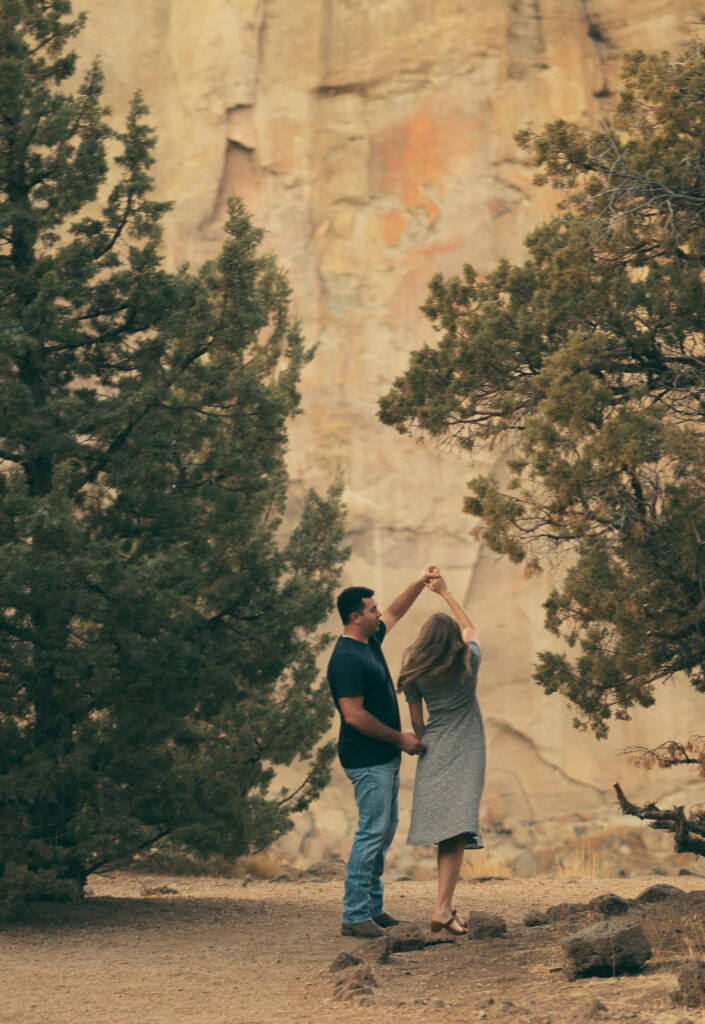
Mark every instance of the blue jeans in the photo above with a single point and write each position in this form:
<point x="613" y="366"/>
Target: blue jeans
<point x="377" y="797"/>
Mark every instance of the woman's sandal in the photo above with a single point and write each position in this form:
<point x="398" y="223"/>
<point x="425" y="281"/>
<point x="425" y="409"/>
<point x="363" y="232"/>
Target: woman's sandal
<point x="436" y="926"/>
<point x="458" y="918"/>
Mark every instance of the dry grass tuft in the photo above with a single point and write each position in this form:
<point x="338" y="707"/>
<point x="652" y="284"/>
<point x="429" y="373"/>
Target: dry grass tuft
<point x="694" y="937"/>
<point x="422" y="872"/>
<point x="482" y="862"/>
<point x="578" y="860"/>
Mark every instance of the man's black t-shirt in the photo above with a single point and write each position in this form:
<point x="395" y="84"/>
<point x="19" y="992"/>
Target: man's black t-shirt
<point x="356" y="669"/>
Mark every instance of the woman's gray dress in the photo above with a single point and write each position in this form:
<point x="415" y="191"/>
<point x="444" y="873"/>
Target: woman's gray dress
<point x="451" y="773"/>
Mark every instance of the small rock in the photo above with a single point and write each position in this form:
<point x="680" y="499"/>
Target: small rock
<point x="404" y="937"/>
<point x="160" y="890"/>
<point x="362" y="975"/>
<point x="605" y="950"/>
<point x="289" y="874"/>
<point x="687" y="871"/>
<point x="357" y="981"/>
<point x="400" y="938"/>
<point x="344" y="994"/>
<point x="596" y="1010"/>
<point x="344" y="960"/>
<point x="609" y="904"/>
<point x="658" y="871"/>
<point x="534" y="917"/>
<point x="658" y="893"/>
<point x="322" y="870"/>
<point x="366" y="1000"/>
<point x="691" y="985"/>
<point x="564" y="911"/>
<point x="485" y="926"/>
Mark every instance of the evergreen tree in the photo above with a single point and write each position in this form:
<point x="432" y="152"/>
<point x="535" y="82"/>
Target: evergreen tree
<point x="587" y="363"/>
<point x="157" y="629"/>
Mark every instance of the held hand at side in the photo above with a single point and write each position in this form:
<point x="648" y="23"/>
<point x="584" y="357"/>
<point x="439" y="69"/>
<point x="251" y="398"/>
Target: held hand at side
<point x="410" y="744"/>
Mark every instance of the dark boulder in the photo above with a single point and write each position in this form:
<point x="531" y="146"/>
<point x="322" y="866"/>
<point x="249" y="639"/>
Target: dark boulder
<point x="485" y="926"/>
<point x="605" y="950"/>
<point x="405" y="937"/>
<point x="691" y="985"/>
<point x="534" y="917"/>
<point x="660" y="892"/>
<point x="565" y="911"/>
<point x="609" y="904"/>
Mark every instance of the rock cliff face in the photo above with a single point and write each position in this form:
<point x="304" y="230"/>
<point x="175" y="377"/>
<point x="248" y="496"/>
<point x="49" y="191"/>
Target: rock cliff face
<point x="374" y="142"/>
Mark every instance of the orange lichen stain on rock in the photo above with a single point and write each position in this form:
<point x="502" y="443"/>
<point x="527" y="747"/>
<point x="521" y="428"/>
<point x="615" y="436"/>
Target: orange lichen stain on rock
<point x="417" y="153"/>
<point x="392" y="226"/>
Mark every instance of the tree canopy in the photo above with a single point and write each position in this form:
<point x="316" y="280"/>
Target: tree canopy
<point x="157" y="622"/>
<point x="586" y="364"/>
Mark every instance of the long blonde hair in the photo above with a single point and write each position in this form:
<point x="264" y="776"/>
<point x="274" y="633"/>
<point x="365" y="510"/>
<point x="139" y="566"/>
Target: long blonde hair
<point x="439" y="652"/>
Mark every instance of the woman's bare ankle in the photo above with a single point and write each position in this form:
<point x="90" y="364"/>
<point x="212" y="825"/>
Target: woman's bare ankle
<point x="441" y="912"/>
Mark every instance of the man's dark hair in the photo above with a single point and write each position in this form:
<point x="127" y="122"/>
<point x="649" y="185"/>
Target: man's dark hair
<point x="352" y="600"/>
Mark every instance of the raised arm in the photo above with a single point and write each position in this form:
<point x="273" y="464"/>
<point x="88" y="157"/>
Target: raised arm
<point x="439" y="586"/>
<point x="401" y="604"/>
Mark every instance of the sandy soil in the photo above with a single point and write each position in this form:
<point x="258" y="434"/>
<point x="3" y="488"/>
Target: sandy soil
<point x="218" y="952"/>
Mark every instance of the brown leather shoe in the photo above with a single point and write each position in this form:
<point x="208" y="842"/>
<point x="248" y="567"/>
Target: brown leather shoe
<point x="361" y="929"/>
<point x="385" y="920"/>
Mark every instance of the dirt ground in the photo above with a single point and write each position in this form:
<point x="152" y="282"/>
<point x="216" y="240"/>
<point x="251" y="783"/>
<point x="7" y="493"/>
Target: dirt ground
<point x="218" y="952"/>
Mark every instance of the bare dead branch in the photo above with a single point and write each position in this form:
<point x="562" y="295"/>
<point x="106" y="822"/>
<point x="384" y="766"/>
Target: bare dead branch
<point x="686" y="830"/>
<point x="669" y="753"/>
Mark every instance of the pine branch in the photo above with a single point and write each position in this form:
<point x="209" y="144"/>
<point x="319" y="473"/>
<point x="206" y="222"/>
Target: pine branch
<point x="111" y="862"/>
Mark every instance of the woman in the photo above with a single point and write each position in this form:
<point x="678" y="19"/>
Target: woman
<point x="440" y="668"/>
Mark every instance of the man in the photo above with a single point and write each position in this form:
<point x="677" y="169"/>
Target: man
<point x="370" y="745"/>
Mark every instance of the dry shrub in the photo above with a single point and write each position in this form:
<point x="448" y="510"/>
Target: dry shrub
<point x="260" y="865"/>
<point x="166" y="861"/>
<point x="674" y="933"/>
<point x="179" y="862"/>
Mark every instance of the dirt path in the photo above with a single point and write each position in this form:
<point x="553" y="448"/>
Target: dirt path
<point x="220" y="953"/>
